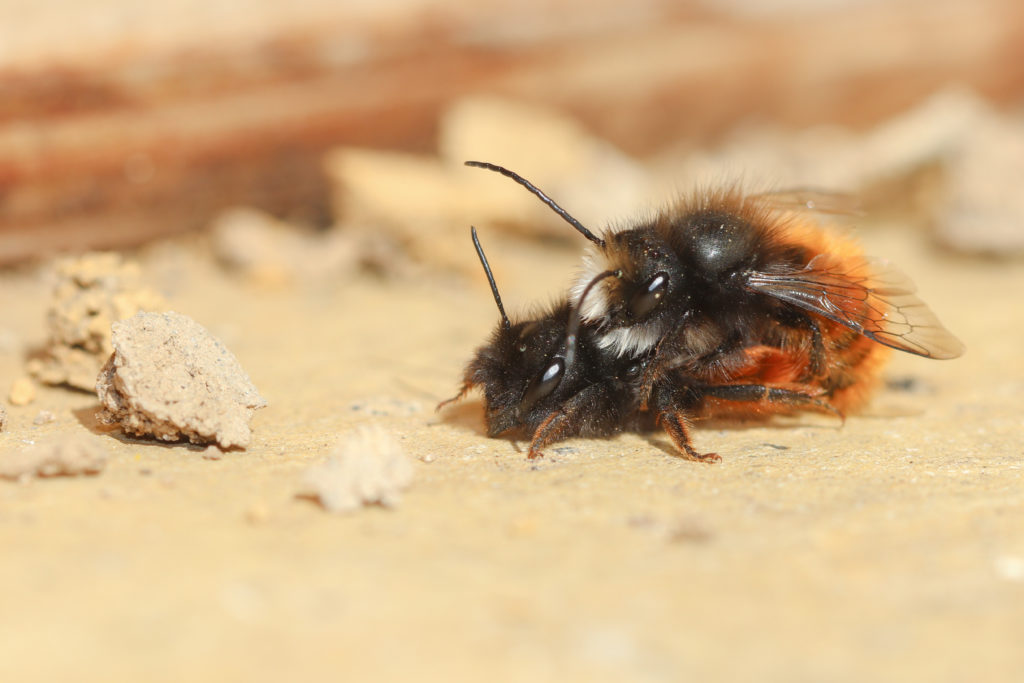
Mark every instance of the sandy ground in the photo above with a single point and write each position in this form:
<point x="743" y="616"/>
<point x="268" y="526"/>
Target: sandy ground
<point x="891" y="548"/>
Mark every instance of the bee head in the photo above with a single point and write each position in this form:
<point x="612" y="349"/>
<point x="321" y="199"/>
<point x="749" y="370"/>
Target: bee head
<point x="523" y="371"/>
<point x="647" y="272"/>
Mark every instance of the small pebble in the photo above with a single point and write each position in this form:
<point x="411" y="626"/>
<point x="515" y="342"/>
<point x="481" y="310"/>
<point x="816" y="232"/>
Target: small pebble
<point x="23" y="392"/>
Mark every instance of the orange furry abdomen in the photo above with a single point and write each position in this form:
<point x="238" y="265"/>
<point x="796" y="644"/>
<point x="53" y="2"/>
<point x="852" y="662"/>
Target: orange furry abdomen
<point x="852" y="362"/>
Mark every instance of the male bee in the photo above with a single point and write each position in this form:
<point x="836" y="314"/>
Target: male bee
<point x="740" y="298"/>
<point x="548" y="377"/>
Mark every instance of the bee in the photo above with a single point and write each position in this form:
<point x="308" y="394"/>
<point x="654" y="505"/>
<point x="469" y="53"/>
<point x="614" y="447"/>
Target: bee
<point x="548" y="376"/>
<point x="740" y="304"/>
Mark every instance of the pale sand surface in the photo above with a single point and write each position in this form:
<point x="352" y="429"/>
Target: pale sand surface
<point x="891" y="548"/>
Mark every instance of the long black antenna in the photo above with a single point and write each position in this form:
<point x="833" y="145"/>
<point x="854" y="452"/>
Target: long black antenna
<point x="574" y="319"/>
<point x="540" y="195"/>
<point x="490" y="277"/>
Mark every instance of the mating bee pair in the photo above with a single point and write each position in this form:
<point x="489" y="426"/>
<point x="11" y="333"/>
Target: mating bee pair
<point x="724" y="305"/>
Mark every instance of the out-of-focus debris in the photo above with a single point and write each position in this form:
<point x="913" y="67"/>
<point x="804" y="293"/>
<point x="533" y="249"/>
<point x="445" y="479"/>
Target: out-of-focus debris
<point x="92" y="291"/>
<point x="367" y="467"/>
<point x="64" y="456"/>
<point x="272" y="252"/>
<point x="23" y="392"/>
<point x="257" y="513"/>
<point x="44" y="417"/>
<point x="587" y="175"/>
<point x="835" y="158"/>
<point x="981" y="208"/>
<point x="954" y="159"/>
<point x="426" y="202"/>
<point x="8" y="340"/>
<point x="171" y="379"/>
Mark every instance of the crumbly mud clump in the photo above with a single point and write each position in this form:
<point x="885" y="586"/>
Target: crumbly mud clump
<point x="92" y="291"/>
<point x="170" y="379"/>
<point x="365" y="468"/>
<point x="61" y="457"/>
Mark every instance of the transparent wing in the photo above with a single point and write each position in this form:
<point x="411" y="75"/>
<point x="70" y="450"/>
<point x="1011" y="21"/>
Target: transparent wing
<point x="874" y="298"/>
<point x="809" y="199"/>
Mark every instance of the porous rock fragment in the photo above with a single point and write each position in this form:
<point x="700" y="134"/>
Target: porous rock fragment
<point x="170" y="379"/>
<point x="64" y="456"/>
<point x="3" y="419"/>
<point x="366" y="468"/>
<point x="92" y="291"/>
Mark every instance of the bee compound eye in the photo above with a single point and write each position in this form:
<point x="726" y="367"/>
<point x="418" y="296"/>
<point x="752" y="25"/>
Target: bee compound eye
<point x="648" y="296"/>
<point x="542" y="385"/>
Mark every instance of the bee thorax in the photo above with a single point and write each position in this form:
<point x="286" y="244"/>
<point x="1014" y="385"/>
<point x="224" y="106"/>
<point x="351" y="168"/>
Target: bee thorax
<point x="633" y="340"/>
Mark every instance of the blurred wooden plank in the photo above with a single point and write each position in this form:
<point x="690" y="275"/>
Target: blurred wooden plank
<point x="146" y="138"/>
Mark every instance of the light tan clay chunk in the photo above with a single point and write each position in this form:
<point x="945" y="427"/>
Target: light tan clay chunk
<point x="62" y="457"/>
<point x="92" y="291"/>
<point x="365" y="468"/>
<point x="170" y="379"/>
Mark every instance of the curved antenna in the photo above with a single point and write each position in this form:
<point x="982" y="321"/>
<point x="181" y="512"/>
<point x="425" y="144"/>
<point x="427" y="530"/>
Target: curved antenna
<point x="540" y="195"/>
<point x="572" y="332"/>
<point x="490" y="277"/>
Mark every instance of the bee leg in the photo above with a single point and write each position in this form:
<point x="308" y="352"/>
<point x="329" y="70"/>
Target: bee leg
<point x="556" y="427"/>
<point x="457" y="397"/>
<point x="653" y="373"/>
<point x="816" y="359"/>
<point x="756" y="393"/>
<point x="674" y="424"/>
<point x="591" y="412"/>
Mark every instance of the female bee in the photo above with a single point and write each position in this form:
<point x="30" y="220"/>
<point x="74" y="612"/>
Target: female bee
<point x="725" y="287"/>
<point x="550" y="377"/>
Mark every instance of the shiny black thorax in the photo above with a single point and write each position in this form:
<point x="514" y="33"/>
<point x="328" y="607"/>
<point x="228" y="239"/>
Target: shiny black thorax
<point x="683" y="282"/>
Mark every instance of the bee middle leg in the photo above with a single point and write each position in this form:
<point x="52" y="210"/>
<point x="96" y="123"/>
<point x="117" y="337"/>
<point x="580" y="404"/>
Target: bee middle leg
<point x="759" y="393"/>
<point x="671" y="403"/>
<point x="675" y="425"/>
<point x="817" y="357"/>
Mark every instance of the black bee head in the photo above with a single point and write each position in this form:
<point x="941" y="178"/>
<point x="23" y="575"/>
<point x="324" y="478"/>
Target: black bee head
<point x="524" y="373"/>
<point x="648" y="274"/>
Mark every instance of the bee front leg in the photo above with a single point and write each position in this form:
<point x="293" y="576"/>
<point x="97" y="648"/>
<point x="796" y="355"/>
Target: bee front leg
<point x="654" y="372"/>
<point x="592" y="412"/>
<point x="454" y="399"/>
<point x="556" y="427"/>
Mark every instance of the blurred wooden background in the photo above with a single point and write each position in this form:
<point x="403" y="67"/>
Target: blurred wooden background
<point x="119" y="124"/>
